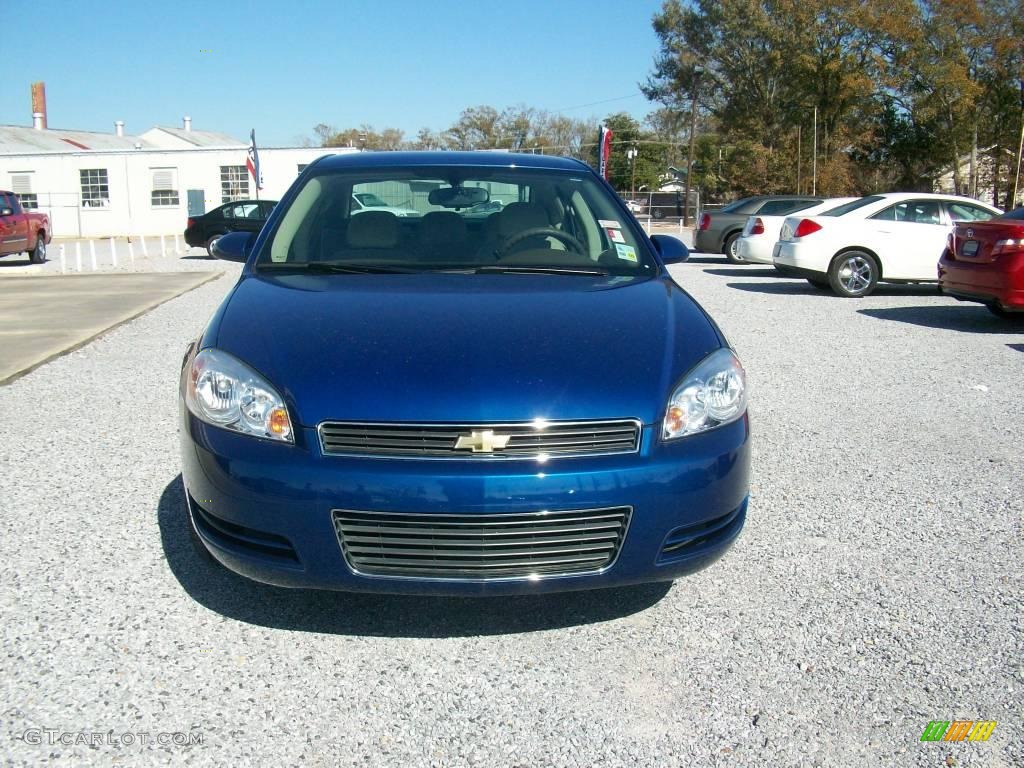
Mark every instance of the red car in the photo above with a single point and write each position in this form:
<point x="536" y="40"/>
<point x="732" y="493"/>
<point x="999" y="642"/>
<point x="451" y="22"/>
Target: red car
<point x="984" y="261"/>
<point x="21" y="231"/>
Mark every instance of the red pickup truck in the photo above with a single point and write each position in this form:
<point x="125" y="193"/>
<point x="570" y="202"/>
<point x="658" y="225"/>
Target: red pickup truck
<point x="20" y="231"/>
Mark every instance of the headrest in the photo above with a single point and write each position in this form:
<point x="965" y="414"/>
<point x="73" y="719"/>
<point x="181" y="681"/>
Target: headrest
<point x="372" y="229"/>
<point x="518" y="217"/>
<point x="442" y="227"/>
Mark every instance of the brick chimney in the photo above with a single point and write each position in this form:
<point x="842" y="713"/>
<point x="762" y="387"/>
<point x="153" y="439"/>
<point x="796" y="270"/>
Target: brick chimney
<point x="39" y="106"/>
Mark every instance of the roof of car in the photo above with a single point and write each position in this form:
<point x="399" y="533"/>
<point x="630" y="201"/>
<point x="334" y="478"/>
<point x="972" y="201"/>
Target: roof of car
<point x="926" y="196"/>
<point x="488" y="159"/>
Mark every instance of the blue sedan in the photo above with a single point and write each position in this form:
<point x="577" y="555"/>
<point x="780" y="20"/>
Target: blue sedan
<point x="451" y="403"/>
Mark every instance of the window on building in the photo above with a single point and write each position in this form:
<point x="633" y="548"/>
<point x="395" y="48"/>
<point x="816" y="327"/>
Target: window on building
<point x="234" y="183"/>
<point x="165" y="187"/>
<point x="303" y="166"/>
<point x="95" y="188"/>
<point x="21" y="185"/>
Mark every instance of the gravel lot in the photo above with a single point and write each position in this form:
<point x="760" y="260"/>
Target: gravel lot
<point x="877" y="585"/>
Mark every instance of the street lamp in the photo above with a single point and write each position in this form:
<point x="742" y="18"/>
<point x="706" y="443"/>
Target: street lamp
<point x="631" y="154"/>
<point x="697" y="72"/>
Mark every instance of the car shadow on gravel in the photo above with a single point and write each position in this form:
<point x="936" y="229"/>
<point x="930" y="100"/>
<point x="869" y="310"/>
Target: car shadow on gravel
<point x="745" y="272"/>
<point x="803" y="288"/>
<point x="967" y="318"/>
<point x="348" y="613"/>
<point x="1018" y="347"/>
<point x="705" y="259"/>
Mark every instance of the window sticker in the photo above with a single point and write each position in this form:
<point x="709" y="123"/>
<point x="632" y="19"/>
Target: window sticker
<point x="615" y="235"/>
<point x="626" y="252"/>
<point x="609" y="224"/>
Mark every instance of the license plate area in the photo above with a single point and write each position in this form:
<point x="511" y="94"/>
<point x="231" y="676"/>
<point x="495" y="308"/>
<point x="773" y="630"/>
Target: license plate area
<point x="971" y="248"/>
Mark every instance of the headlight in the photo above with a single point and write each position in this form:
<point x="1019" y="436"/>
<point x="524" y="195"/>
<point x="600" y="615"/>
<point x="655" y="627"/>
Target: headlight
<point x="224" y="391"/>
<point x="712" y="394"/>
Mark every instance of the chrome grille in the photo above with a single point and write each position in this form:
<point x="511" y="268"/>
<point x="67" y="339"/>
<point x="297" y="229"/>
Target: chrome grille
<point x="525" y="439"/>
<point x="482" y="546"/>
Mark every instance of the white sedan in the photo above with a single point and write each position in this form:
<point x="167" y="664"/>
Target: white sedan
<point x="896" y="237"/>
<point x="762" y="232"/>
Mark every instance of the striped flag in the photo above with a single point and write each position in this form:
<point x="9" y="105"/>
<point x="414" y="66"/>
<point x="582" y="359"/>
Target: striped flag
<point x="604" y="151"/>
<point x="253" y="161"/>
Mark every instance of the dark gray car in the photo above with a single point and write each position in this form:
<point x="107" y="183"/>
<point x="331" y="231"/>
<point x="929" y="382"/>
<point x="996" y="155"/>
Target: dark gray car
<point x="718" y="231"/>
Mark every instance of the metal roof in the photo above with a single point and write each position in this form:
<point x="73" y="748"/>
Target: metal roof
<point x="23" y="140"/>
<point x="198" y="138"/>
<point x="17" y="139"/>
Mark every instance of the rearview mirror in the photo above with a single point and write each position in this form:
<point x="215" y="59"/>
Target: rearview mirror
<point x="233" y="246"/>
<point x="458" y="197"/>
<point x="671" y="250"/>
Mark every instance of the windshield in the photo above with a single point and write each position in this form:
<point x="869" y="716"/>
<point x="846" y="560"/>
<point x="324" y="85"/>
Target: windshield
<point x="735" y="206"/>
<point x="530" y="220"/>
<point x="370" y="200"/>
<point x="852" y="206"/>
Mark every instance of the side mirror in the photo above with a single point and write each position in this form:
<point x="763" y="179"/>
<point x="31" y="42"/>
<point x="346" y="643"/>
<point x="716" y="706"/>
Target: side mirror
<point x="6" y="211"/>
<point x="233" y="246"/>
<point x="671" y="250"/>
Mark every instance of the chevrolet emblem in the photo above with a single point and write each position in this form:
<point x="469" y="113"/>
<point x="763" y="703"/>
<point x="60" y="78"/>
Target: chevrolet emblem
<point x="484" y="441"/>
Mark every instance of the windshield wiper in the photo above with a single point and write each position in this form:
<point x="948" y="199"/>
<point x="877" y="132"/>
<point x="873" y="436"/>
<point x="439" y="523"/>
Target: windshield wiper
<point x="325" y="267"/>
<point x="527" y="270"/>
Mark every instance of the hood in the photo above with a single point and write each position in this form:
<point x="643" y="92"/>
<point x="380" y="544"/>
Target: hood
<point x="465" y="348"/>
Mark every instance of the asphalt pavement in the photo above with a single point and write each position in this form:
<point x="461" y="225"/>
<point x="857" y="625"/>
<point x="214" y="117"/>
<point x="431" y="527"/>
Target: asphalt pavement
<point x="876" y="587"/>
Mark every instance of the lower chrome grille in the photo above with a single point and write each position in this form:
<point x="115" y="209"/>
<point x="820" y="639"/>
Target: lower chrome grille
<point x="476" y="441"/>
<point x="483" y="546"/>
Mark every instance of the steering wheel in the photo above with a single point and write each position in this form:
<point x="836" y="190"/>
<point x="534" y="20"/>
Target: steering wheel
<point x="558" y="234"/>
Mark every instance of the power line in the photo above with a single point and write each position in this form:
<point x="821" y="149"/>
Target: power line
<point x="603" y="101"/>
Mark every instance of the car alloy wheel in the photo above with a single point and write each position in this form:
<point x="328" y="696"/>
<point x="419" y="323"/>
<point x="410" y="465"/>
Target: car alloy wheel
<point x="853" y="274"/>
<point x="38" y="254"/>
<point x="210" y="242"/>
<point x="732" y="249"/>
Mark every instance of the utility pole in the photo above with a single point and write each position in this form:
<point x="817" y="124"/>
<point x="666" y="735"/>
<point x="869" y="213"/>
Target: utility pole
<point x="814" y="162"/>
<point x="798" y="158"/>
<point x="631" y="154"/>
<point x="697" y="72"/>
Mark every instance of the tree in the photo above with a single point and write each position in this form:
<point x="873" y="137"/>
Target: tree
<point x="626" y="134"/>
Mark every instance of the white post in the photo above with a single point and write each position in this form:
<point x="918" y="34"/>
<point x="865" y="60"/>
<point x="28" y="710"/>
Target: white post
<point x="113" y="251"/>
<point x="78" y="255"/>
<point x="177" y="244"/>
<point x="92" y="253"/>
<point x="131" y="252"/>
<point x="163" y="247"/>
<point x="145" y="252"/>
<point x="63" y="264"/>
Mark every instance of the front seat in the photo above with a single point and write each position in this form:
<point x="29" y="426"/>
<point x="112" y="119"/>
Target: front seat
<point x="513" y="219"/>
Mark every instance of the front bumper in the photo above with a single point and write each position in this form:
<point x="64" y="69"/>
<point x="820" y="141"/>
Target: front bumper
<point x="273" y="504"/>
<point x="1000" y="283"/>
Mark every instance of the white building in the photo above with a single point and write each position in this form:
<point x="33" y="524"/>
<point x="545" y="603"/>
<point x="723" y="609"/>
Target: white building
<point x="112" y="184"/>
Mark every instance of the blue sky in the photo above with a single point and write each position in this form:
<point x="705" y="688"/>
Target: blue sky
<point x="283" y="67"/>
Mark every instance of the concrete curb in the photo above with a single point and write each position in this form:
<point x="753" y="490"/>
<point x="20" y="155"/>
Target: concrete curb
<point x="148" y="307"/>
